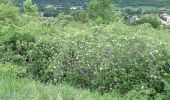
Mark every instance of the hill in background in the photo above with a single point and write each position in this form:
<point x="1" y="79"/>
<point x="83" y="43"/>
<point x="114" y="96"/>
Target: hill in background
<point x="159" y="3"/>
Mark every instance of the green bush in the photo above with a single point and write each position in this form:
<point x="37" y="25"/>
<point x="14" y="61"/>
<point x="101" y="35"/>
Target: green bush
<point x="14" y="47"/>
<point x="80" y="16"/>
<point x="103" y="9"/>
<point x="40" y="56"/>
<point x="149" y="18"/>
<point x="29" y="8"/>
<point x="9" y="13"/>
<point x="103" y="57"/>
<point x="101" y="61"/>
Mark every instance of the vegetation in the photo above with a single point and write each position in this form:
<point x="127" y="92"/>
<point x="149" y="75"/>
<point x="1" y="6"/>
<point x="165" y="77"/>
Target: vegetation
<point x="149" y="18"/>
<point x="88" y="51"/>
<point x="28" y="7"/>
<point x="126" y="6"/>
<point x="102" y="10"/>
<point x="14" y="88"/>
<point x="158" y="3"/>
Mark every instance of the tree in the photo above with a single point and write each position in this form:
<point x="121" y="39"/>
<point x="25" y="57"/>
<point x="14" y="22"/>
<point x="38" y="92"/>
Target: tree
<point x="149" y="18"/>
<point x="80" y="15"/>
<point x="8" y="12"/>
<point x="4" y="1"/>
<point x="104" y="9"/>
<point x="29" y="8"/>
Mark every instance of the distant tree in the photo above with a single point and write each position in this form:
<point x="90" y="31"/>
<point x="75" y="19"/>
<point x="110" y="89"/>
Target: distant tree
<point x="4" y="1"/>
<point x="8" y="12"/>
<point x="50" y="12"/>
<point x="139" y="11"/>
<point x="64" y="19"/>
<point x="104" y="9"/>
<point x="80" y="16"/>
<point x="149" y="18"/>
<point x="29" y="8"/>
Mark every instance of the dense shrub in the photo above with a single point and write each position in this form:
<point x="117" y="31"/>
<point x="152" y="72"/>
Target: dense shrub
<point x="64" y="19"/>
<point x="103" y="57"/>
<point x="101" y="61"/>
<point x="9" y="14"/>
<point x="29" y="8"/>
<point x="149" y="18"/>
<point x="80" y="16"/>
<point x="103" y="9"/>
<point x="16" y="47"/>
<point x="40" y="56"/>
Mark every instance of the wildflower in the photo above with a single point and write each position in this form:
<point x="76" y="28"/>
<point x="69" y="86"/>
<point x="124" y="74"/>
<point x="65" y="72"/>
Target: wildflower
<point x="142" y="87"/>
<point x="101" y="68"/>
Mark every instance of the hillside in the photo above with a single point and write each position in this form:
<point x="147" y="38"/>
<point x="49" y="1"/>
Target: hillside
<point x="159" y="3"/>
<point x="89" y="54"/>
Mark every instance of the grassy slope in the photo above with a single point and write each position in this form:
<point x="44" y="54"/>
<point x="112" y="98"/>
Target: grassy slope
<point x="12" y="88"/>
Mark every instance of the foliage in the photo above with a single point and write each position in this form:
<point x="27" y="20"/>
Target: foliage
<point x="149" y="18"/>
<point x="110" y="62"/>
<point x="29" y="8"/>
<point x="9" y="13"/>
<point x="40" y="57"/>
<point x="131" y="60"/>
<point x="103" y="9"/>
<point x="134" y="3"/>
<point x="80" y="16"/>
<point x="50" y="13"/>
<point x="5" y="1"/>
<point x="13" y="87"/>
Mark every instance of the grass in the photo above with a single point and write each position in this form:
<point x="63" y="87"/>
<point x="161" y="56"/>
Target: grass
<point x="12" y="88"/>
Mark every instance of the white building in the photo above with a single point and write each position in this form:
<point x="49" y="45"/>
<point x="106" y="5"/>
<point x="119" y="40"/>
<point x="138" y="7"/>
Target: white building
<point x="76" y="7"/>
<point x="167" y="17"/>
<point x="49" y="6"/>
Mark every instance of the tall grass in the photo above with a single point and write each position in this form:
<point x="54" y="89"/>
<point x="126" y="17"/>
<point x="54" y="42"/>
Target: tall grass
<point x="13" y="88"/>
